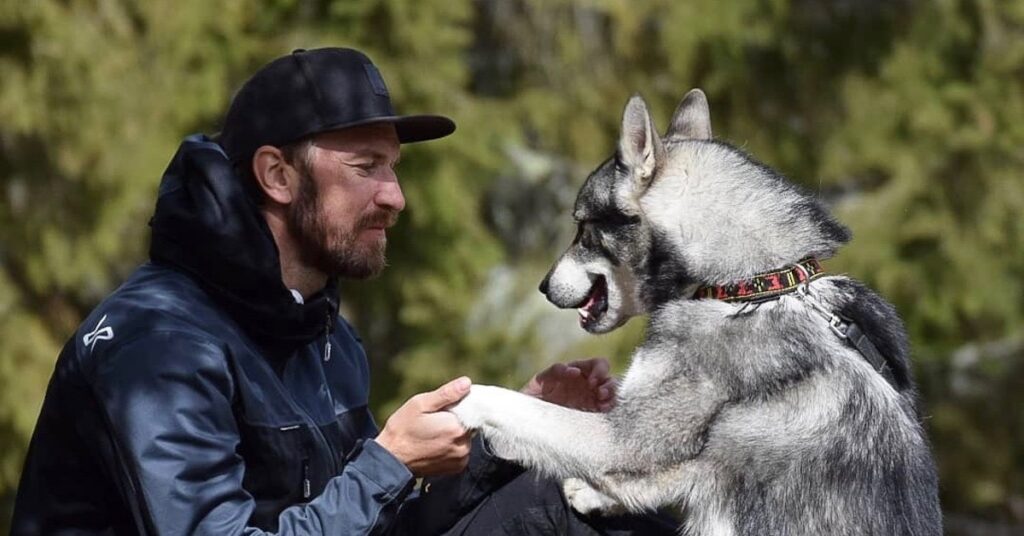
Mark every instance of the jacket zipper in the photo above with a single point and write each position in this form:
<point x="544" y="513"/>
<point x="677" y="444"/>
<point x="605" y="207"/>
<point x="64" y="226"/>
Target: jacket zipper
<point x="325" y="445"/>
<point x="306" y="487"/>
<point x="327" y="338"/>
<point x="327" y="357"/>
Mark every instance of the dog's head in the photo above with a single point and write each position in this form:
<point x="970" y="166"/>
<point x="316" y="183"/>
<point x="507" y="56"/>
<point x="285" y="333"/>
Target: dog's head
<point x="665" y="215"/>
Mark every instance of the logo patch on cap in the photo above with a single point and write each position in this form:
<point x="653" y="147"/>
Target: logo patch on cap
<point x="376" y="81"/>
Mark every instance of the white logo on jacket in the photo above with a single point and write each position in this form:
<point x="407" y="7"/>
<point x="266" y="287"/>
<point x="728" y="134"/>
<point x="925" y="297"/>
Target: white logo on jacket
<point x="99" y="333"/>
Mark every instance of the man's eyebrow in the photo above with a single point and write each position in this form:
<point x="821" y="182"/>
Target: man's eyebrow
<point x="359" y="158"/>
<point x="378" y="155"/>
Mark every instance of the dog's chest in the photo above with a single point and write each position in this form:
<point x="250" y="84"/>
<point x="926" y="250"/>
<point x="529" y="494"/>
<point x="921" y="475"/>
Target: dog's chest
<point x="647" y="372"/>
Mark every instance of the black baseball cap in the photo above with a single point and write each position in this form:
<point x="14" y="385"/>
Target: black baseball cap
<point x="313" y="91"/>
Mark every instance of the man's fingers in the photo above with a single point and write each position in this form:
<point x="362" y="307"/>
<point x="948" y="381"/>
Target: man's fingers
<point x="445" y="395"/>
<point x="459" y="454"/>
<point x="583" y="364"/>
<point x="597" y="367"/>
<point x="462" y="449"/>
<point x="571" y="372"/>
<point x="554" y="371"/>
<point x="596" y="370"/>
<point x="465" y="439"/>
<point x="600" y="370"/>
<point x="610" y="386"/>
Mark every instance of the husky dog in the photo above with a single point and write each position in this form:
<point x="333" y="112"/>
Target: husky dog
<point x="767" y="397"/>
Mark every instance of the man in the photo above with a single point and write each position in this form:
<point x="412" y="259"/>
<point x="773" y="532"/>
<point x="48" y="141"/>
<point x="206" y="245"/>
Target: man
<point x="217" y="391"/>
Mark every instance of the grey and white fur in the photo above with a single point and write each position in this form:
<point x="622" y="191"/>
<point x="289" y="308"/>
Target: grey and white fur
<point x="746" y="420"/>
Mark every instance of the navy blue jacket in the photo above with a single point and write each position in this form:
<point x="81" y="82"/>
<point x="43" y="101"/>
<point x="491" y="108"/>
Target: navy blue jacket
<point x="201" y="398"/>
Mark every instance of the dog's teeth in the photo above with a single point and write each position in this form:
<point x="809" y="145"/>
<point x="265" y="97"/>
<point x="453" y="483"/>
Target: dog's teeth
<point x="584" y="314"/>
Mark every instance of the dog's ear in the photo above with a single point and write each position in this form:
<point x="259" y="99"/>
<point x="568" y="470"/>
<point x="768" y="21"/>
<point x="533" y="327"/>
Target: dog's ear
<point x="640" y="145"/>
<point x="692" y="118"/>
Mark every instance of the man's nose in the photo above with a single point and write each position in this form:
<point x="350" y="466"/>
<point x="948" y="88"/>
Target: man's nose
<point x="390" y="195"/>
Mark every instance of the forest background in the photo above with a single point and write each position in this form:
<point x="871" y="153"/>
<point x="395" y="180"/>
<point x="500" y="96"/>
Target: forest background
<point x="905" y="116"/>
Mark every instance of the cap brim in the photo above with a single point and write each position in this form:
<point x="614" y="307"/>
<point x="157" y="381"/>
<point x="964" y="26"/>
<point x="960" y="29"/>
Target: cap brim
<point x="410" y="128"/>
<point x="414" y="128"/>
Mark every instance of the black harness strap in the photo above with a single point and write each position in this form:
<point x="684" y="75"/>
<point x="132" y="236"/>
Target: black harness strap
<point x="869" y="351"/>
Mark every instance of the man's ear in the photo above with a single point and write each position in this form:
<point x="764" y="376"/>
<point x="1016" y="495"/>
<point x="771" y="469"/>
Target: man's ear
<point x="639" y="145"/>
<point x="272" y="177"/>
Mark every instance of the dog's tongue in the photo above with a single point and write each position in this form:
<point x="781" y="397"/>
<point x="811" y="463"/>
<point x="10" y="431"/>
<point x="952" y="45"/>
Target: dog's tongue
<point x="595" y="300"/>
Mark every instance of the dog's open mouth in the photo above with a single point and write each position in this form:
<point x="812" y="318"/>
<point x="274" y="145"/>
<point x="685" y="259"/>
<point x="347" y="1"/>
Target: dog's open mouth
<point x="596" y="303"/>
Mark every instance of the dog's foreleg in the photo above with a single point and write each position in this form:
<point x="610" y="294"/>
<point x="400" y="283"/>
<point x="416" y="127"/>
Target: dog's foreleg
<point x="558" y="441"/>
<point x="586" y="500"/>
<point x="562" y="443"/>
<point x="618" y="492"/>
<point x="643" y="491"/>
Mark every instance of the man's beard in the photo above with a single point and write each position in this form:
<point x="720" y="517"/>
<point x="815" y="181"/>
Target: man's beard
<point x="338" y="253"/>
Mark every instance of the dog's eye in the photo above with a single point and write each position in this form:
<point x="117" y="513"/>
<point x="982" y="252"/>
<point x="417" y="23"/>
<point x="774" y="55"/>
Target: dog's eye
<point x="623" y="219"/>
<point x="616" y="219"/>
<point x="585" y="234"/>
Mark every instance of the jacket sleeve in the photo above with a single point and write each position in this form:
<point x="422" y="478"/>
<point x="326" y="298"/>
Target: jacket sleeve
<point x="168" y="402"/>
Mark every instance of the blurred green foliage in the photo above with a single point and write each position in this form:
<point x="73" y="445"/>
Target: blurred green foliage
<point x="906" y="115"/>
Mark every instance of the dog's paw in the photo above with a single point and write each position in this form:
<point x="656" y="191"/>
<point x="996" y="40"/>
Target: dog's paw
<point x="470" y="410"/>
<point x="587" y="500"/>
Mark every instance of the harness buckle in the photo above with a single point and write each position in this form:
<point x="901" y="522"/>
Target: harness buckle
<point x="837" y="326"/>
<point x="835" y="322"/>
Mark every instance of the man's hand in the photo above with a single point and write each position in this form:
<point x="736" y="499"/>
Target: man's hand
<point x="584" y="385"/>
<point x="427" y="439"/>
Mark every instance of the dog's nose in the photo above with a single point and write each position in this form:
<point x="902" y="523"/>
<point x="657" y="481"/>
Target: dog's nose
<point x="544" y="284"/>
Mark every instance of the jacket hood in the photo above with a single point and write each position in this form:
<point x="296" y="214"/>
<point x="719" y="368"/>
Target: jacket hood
<point x="206" y="225"/>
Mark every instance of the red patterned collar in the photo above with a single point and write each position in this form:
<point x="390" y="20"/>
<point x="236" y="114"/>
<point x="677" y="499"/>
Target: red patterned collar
<point x="764" y="286"/>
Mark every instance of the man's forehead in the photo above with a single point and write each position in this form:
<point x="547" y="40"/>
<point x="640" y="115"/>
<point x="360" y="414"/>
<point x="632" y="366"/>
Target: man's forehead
<point x="379" y="139"/>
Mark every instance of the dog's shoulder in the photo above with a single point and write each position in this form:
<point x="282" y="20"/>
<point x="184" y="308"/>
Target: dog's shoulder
<point x="880" y="322"/>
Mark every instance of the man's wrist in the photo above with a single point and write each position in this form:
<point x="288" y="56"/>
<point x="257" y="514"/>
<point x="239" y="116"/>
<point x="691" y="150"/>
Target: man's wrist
<point x="386" y="440"/>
